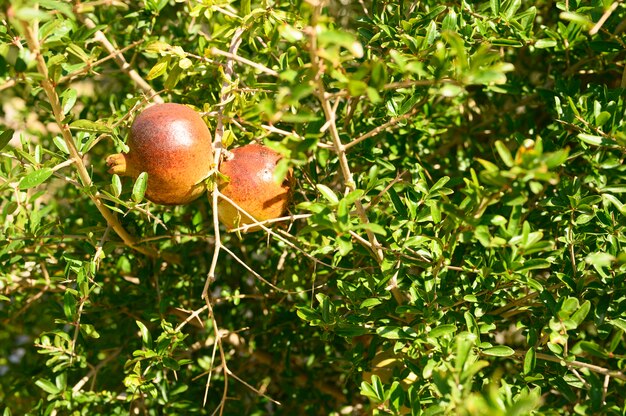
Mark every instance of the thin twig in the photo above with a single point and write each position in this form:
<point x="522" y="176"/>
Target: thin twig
<point x="10" y="83"/>
<point x="286" y="133"/>
<point x="290" y="218"/>
<point x="217" y="146"/>
<point x="217" y="346"/>
<point x="394" y="121"/>
<point x="257" y="391"/>
<point x="274" y="233"/>
<point x="340" y="148"/>
<point x="603" y="18"/>
<point x="577" y="364"/>
<point x="95" y="370"/>
<point x="90" y="65"/>
<point x="100" y="37"/>
<point x="76" y="324"/>
<point x="235" y="57"/>
<point x="195" y="314"/>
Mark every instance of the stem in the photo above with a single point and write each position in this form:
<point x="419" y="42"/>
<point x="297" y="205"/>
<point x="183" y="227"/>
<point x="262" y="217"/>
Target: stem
<point x="83" y="173"/>
<point x="381" y="128"/>
<point x="577" y="364"/>
<point x="217" y="147"/>
<point x="234" y="57"/>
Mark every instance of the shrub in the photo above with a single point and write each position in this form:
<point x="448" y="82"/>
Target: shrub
<point x="455" y="244"/>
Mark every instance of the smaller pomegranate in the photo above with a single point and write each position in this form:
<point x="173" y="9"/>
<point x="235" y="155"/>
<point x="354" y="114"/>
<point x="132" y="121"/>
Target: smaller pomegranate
<point x="251" y="185"/>
<point x="173" y="145"/>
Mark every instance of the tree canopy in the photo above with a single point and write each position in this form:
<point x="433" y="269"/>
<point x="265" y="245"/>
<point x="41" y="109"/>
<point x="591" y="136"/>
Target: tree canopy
<point x="453" y="243"/>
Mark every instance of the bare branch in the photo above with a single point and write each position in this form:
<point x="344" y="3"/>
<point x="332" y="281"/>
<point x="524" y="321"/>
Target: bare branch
<point x="121" y="61"/>
<point x="235" y="57"/>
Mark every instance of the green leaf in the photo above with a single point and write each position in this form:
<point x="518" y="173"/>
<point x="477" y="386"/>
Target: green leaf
<point x="171" y="363"/>
<point x="5" y="137"/>
<point x="90" y="126"/>
<point x="58" y="6"/>
<point x="600" y="259"/>
<point x="373" y="227"/>
<point x="618" y="323"/>
<point x="602" y="118"/>
<point x="35" y="178"/>
<point x="530" y="360"/>
<point x="370" y="391"/>
<point x="140" y="186"/>
<point x="146" y="338"/>
<point x="371" y="302"/>
<point x="69" y="306"/>
<point x="158" y="69"/>
<point x="157" y="46"/>
<point x="590" y="139"/>
<point x="61" y="145"/>
<point x="513" y="7"/>
<point x="47" y="386"/>
<point x="116" y="185"/>
<point x="439" y="184"/>
<point x="68" y="99"/>
<point x="396" y="396"/>
<point x="545" y="43"/>
<point x="499" y="351"/>
<point x="392" y="332"/>
<point x="577" y="18"/>
<point x="185" y="63"/>
<point x="505" y="154"/>
<point x="442" y="330"/>
<point x="579" y="316"/>
<point x="327" y="193"/>
<point x="533" y="264"/>
<point x="495" y="7"/>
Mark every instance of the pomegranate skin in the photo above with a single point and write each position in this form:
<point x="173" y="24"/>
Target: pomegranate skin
<point x="173" y="145"/>
<point x="251" y="185"/>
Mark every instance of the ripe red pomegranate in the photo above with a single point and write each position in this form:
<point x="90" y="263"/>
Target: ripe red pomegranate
<point x="251" y="185"/>
<point x="173" y="145"/>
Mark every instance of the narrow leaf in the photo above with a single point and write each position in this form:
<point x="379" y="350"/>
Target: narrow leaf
<point x="139" y="189"/>
<point x="47" y="386"/>
<point x="327" y="193"/>
<point x="530" y="360"/>
<point x="505" y="154"/>
<point x="116" y="185"/>
<point x="146" y="338"/>
<point x="5" y="137"/>
<point x="35" y="178"/>
<point x="499" y="351"/>
<point x="68" y="99"/>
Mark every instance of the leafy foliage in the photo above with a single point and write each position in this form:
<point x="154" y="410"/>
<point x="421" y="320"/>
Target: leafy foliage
<point x="455" y="244"/>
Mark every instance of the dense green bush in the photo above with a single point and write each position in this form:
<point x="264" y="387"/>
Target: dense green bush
<point x="456" y="239"/>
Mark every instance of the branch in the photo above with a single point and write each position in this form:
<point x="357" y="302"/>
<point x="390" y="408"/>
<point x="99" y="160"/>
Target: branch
<point x="235" y="57"/>
<point x="577" y="364"/>
<point x="339" y="147"/>
<point x="90" y="65"/>
<point x="217" y="147"/>
<point x="121" y="61"/>
<point x="394" y="121"/>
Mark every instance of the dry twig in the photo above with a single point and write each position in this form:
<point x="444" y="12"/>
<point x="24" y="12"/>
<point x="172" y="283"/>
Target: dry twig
<point x="121" y="61"/>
